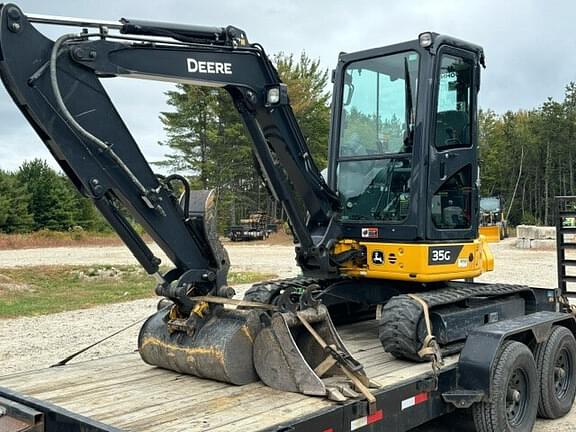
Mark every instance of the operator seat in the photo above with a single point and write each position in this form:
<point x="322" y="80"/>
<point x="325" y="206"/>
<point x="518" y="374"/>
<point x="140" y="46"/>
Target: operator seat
<point x="451" y="128"/>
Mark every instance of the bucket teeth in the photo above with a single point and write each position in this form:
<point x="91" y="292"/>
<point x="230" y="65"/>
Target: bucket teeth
<point x="344" y="387"/>
<point x="334" y="394"/>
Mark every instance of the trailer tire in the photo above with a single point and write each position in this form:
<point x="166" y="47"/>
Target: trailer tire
<point x="555" y="361"/>
<point x="513" y="402"/>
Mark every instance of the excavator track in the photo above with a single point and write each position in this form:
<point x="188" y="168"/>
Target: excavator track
<point x="401" y="316"/>
<point x="399" y="327"/>
<point x="268" y="291"/>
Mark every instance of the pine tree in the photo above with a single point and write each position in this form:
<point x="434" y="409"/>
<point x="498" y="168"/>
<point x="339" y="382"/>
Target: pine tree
<point x="14" y="201"/>
<point x="51" y="203"/>
<point x="208" y="141"/>
<point x="310" y="99"/>
<point x="528" y="157"/>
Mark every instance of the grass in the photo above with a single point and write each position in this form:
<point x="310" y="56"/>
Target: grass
<point x="30" y="291"/>
<point x="47" y="238"/>
<point x="79" y="238"/>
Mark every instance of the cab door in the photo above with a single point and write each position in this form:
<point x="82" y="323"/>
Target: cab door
<point x="453" y="160"/>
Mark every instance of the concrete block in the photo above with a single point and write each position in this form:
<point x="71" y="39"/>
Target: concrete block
<point x="545" y="233"/>
<point x="523" y="243"/>
<point x="525" y="231"/>
<point x="545" y="244"/>
<point x="536" y="232"/>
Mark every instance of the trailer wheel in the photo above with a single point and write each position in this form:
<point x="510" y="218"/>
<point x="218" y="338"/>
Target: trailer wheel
<point x="513" y="403"/>
<point x="555" y="360"/>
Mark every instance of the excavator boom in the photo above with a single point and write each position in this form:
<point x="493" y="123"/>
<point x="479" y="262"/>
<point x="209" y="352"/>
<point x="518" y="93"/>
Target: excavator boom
<point x="56" y="85"/>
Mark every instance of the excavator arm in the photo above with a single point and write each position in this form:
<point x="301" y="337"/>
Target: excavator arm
<point x="57" y="87"/>
<point x="56" y="84"/>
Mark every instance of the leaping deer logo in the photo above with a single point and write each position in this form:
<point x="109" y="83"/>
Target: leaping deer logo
<point x="378" y="257"/>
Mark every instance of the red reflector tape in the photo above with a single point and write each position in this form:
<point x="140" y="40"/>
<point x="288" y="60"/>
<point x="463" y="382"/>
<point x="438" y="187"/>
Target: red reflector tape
<point x="328" y="430"/>
<point x="414" y="400"/>
<point x="377" y="416"/>
<point x="421" y="397"/>
<point x="365" y="421"/>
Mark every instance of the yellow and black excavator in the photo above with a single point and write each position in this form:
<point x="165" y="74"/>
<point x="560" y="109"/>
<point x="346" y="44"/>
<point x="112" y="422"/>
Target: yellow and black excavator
<point x="391" y="229"/>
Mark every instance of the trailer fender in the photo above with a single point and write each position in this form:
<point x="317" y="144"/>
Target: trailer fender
<point x="483" y="344"/>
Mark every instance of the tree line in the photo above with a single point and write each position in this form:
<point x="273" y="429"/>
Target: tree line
<point x="36" y="197"/>
<point x="527" y="156"/>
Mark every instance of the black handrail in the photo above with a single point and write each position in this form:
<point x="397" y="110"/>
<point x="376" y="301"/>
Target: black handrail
<point x="565" y="208"/>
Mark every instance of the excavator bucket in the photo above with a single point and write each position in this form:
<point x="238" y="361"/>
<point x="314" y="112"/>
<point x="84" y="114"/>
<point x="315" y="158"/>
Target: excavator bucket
<point x="221" y="349"/>
<point x="296" y="351"/>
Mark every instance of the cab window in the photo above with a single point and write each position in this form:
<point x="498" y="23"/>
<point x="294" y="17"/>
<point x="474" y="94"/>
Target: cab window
<point x="376" y="137"/>
<point x="453" y="113"/>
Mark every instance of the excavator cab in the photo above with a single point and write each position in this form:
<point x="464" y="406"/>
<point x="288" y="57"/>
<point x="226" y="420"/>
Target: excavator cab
<point x="403" y="159"/>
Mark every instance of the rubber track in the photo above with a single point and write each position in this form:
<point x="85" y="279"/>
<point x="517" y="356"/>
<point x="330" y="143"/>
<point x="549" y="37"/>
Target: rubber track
<point x="265" y="292"/>
<point x="398" y="328"/>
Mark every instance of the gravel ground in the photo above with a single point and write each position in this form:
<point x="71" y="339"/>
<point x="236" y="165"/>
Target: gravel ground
<point x="31" y="343"/>
<point x="51" y="338"/>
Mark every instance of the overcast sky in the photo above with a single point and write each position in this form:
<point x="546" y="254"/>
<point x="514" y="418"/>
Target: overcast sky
<point x="529" y="46"/>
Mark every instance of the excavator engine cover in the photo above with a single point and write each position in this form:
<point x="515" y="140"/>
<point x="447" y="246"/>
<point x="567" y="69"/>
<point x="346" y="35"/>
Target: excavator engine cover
<point x="221" y="349"/>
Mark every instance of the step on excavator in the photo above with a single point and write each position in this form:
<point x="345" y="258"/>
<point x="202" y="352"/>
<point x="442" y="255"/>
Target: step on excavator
<point x="391" y="232"/>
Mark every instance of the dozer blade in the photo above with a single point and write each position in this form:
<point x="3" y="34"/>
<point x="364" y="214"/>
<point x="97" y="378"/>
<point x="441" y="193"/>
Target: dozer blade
<point x="221" y="349"/>
<point x="288" y="357"/>
<point x="492" y="233"/>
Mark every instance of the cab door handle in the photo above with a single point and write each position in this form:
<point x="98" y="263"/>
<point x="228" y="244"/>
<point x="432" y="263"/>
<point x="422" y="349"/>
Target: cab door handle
<point x="445" y="157"/>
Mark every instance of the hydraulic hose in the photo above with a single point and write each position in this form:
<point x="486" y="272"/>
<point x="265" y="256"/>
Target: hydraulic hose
<point x="186" y="186"/>
<point x="106" y="148"/>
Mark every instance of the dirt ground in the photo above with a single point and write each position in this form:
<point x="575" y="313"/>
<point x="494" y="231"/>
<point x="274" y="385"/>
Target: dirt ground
<point x="30" y="343"/>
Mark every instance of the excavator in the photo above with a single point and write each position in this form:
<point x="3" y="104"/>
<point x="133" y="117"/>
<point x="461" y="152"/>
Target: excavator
<point x="391" y="232"/>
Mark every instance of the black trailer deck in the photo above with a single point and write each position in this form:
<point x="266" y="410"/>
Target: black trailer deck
<point x="122" y="392"/>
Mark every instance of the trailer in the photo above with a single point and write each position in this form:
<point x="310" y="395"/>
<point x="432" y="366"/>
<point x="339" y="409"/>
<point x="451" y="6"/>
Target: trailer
<point x="121" y="392"/>
<point x="254" y="227"/>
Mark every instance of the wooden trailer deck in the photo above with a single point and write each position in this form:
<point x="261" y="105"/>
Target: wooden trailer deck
<point x="124" y="392"/>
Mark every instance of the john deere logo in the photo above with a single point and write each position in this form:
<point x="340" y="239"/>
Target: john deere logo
<point x="378" y="257"/>
<point x="208" y="67"/>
